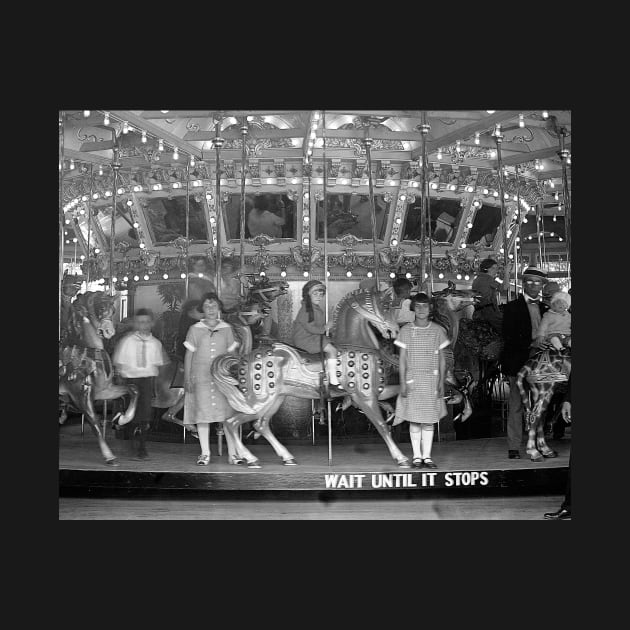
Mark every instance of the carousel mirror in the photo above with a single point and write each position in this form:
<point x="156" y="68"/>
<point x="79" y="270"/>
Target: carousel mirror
<point x="445" y="217"/>
<point x="485" y="225"/>
<point x="273" y="214"/>
<point x="350" y="213"/>
<point x="166" y="219"/>
<point x="123" y="226"/>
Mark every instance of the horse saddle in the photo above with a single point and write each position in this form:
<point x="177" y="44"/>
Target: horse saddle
<point x="312" y="362"/>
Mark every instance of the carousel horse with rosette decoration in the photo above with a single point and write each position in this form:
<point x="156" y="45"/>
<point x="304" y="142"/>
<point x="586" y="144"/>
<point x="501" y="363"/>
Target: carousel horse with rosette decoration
<point x="536" y="382"/>
<point x="85" y="368"/>
<point x="257" y="383"/>
<point x="246" y="319"/>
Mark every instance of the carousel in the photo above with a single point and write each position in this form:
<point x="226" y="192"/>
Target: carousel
<point x="158" y="208"/>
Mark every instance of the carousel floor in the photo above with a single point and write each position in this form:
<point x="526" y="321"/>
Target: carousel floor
<point x="475" y="465"/>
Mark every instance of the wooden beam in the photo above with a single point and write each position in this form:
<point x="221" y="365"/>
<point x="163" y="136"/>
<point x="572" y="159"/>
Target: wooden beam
<point x="465" y="131"/>
<point x="155" y="130"/>
<point x="532" y="155"/>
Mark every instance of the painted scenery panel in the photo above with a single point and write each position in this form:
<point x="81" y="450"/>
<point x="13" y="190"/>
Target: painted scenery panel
<point x="273" y="214"/>
<point x="445" y="217"/>
<point x="485" y="225"/>
<point x="349" y="213"/>
<point x="167" y="219"/>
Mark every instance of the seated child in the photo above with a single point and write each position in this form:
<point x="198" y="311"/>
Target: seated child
<point x="555" y="325"/>
<point x="310" y="326"/>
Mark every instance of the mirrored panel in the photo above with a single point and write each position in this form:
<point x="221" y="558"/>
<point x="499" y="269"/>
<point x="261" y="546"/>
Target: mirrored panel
<point x="123" y="227"/>
<point x="166" y="219"/>
<point x="273" y="214"/>
<point x="445" y="217"/>
<point x="485" y="225"/>
<point x="350" y="213"/>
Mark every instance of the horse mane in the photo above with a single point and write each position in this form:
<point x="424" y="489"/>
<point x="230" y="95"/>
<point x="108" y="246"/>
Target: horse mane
<point x="340" y="305"/>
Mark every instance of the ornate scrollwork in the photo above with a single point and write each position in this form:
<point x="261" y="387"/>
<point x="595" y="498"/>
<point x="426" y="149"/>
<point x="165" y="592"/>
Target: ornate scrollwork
<point x="304" y="256"/>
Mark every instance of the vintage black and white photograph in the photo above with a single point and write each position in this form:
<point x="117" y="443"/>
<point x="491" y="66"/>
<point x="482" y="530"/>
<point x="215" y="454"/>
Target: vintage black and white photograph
<point x="315" y="314"/>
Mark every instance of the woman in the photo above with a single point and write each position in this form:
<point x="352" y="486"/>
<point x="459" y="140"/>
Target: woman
<point x="205" y="341"/>
<point x="422" y="371"/>
<point x="309" y="327"/>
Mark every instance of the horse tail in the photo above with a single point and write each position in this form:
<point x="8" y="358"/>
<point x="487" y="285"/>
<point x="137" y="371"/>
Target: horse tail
<point x="221" y="370"/>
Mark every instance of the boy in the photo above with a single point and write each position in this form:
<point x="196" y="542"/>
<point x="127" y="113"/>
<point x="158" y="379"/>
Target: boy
<point x="137" y="358"/>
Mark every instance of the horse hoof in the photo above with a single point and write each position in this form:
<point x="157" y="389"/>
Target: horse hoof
<point x="536" y="458"/>
<point x="289" y="462"/>
<point x="404" y="464"/>
<point x="112" y="462"/>
<point x="550" y="455"/>
<point x="254" y="464"/>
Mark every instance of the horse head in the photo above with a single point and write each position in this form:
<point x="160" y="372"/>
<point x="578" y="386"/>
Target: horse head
<point x="101" y="309"/>
<point x="264" y="290"/>
<point x="356" y="314"/>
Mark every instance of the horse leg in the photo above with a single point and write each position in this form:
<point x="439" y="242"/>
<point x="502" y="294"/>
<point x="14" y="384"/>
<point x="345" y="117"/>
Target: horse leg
<point x="240" y="450"/>
<point x="169" y="414"/>
<point x="64" y="414"/>
<point x="542" y="445"/>
<point x="370" y="408"/>
<point x="262" y="426"/>
<point x="88" y="407"/>
<point x="130" y="412"/>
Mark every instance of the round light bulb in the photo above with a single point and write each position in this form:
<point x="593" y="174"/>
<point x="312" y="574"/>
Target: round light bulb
<point x="136" y="278"/>
<point x="459" y="276"/>
<point x="126" y="279"/>
<point x="349" y="274"/>
<point x="165" y="276"/>
<point x="283" y="274"/>
<point x="305" y="274"/>
<point x="369" y="274"/>
<point x="466" y="277"/>
<point x="182" y="275"/>
<point x="86" y="113"/>
<point x="146" y="277"/>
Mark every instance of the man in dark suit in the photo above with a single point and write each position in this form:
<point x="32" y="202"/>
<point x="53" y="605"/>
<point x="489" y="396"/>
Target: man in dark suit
<point x="521" y="318"/>
<point x="564" y="513"/>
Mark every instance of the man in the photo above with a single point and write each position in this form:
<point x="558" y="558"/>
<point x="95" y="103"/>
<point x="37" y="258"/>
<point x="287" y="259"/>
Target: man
<point x="564" y="513"/>
<point x="488" y="288"/>
<point x="521" y="318"/>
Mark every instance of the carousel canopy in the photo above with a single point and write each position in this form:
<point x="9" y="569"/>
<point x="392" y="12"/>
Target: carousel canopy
<point x="166" y="170"/>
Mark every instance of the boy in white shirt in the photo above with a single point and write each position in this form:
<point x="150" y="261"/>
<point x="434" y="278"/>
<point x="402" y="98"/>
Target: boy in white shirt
<point x="137" y="359"/>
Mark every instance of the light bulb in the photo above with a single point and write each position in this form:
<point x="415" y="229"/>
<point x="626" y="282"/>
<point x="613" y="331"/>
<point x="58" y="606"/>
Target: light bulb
<point x="440" y="275"/>
<point x="521" y="121"/>
<point x="121" y="191"/>
<point x="100" y="170"/>
<point x="182" y="275"/>
<point x="146" y="277"/>
<point x="305" y="274"/>
<point x="394" y="242"/>
<point x="114" y="279"/>
<point x="164" y="111"/>
<point x="165" y="276"/>
<point x="554" y="218"/>
<point x="466" y="277"/>
<point x="160" y="145"/>
<point x="192" y="160"/>
<point x="477" y="137"/>
<point x="175" y="154"/>
<point x="144" y="136"/>
<point x="97" y="250"/>
<point x="106" y="118"/>
<point x="408" y="275"/>
<point x="459" y="276"/>
<point x="369" y="274"/>
<point x="490" y="111"/>
<point x="71" y="165"/>
<point x="136" y="278"/>
<point x="283" y="274"/>
<point x="86" y="113"/>
<point x="136" y="224"/>
<point x="125" y="127"/>
<point x="349" y="274"/>
<point x="126" y="279"/>
<point x="439" y="154"/>
<point x="129" y="202"/>
<point x="469" y="225"/>
<point x="142" y="245"/>
<point x="392" y="275"/>
<point x="545" y="114"/>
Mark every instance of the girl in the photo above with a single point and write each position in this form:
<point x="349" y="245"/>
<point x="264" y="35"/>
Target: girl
<point x="422" y="371"/>
<point x="310" y="326"/>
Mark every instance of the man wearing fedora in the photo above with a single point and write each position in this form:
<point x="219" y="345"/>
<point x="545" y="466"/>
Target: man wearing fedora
<point x="521" y="318"/>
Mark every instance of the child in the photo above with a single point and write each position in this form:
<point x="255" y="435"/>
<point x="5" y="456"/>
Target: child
<point x="402" y="303"/>
<point x="310" y="326"/>
<point x="422" y="371"/>
<point x="555" y="325"/>
<point x="137" y="358"/>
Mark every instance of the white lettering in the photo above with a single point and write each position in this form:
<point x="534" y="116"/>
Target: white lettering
<point x="331" y="480"/>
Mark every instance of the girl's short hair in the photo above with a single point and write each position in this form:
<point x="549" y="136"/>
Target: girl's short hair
<point x="209" y="296"/>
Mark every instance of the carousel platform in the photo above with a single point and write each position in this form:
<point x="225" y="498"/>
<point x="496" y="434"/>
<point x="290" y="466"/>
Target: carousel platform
<point x="476" y="465"/>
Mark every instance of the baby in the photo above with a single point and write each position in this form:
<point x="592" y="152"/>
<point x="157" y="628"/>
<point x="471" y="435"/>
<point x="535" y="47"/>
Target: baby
<point x="556" y="322"/>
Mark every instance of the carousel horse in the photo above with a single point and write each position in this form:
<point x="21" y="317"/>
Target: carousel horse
<point x="536" y="382"/>
<point x="256" y="384"/>
<point x="85" y="368"/>
<point x="245" y="319"/>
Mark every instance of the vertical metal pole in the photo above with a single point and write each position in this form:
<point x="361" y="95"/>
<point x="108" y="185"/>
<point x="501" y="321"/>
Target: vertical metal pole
<point x="115" y="169"/>
<point x="426" y="203"/>
<point x="61" y="215"/>
<point x="367" y="142"/>
<point x="516" y="235"/>
<point x="218" y="143"/>
<point x="325" y="219"/>
<point x="540" y="254"/>
<point x="187" y="228"/>
<point x="104" y="417"/>
<point x="89" y="220"/>
<point x="244" y="131"/>
<point x="328" y="411"/>
<point x="498" y="137"/>
<point x="564" y="156"/>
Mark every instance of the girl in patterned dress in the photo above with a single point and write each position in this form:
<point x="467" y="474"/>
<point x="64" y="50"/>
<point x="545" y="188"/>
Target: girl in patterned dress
<point x="422" y="371"/>
<point x="206" y="340"/>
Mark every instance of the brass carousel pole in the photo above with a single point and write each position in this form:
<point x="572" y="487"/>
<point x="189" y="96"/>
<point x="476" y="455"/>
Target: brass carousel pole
<point x="564" y="156"/>
<point x="186" y="281"/>
<point x="367" y="142"/>
<point x="61" y="214"/>
<point x="518" y="231"/>
<point x="328" y="415"/>
<point x="89" y="226"/>
<point x="540" y="254"/>
<point x="115" y="169"/>
<point x="244" y="132"/>
<point x="498" y="137"/>
<point x="218" y="143"/>
<point x="424" y="208"/>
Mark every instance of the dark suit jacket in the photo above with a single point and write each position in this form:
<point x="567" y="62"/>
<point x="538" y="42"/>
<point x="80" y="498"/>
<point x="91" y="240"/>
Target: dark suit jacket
<point x="517" y="335"/>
